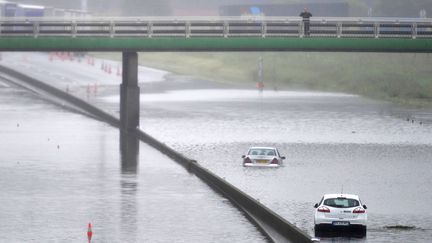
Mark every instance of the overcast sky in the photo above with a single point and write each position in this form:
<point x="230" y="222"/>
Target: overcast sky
<point x="400" y="8"/>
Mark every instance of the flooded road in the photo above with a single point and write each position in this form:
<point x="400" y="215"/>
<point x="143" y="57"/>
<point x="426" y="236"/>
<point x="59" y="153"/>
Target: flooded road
<point x="332" y="142"/>
<point x="60" y="171"/>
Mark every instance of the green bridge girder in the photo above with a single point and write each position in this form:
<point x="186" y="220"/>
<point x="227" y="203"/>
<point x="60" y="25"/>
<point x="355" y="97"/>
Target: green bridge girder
<point x="215" y="44"/>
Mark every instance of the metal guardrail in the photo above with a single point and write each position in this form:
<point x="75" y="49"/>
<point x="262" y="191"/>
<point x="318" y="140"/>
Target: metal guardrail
<point x="226" y="27"/>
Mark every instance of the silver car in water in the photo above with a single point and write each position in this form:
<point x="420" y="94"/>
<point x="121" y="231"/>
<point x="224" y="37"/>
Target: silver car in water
<point x="262" y="157"/>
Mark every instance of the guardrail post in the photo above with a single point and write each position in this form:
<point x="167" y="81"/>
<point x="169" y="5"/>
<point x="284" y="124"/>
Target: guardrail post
<point x="225" y="29"/>
<point x="150" y="29"/>
<point x="187" y="29"/>
<point x="111" y="29"/>
<point x="376" y="29"/>
<point x="301" y="29"/>
<point x="74" y="29"/>
<point x="414" y="30"/>
<point x="263" y="29"/>
<point x="35" y="29"/>
<point x="129" y="93"/>
<point x="339" y="29"/>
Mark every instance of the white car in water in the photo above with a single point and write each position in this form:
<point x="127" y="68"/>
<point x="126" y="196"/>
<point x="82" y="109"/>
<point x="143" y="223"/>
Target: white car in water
<point x="340" y="212"/>
<point x="262" y="157"/>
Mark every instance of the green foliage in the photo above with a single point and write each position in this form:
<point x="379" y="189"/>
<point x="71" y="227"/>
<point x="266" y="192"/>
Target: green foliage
<point x="397" y="77"/>
<point x="403" y="78"/>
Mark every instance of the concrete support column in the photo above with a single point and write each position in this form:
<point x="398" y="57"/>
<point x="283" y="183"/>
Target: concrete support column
<point x="129" y="151"/>
<point x="129" y="93"/>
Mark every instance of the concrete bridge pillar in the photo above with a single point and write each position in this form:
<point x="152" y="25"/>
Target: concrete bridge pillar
<point x="129" y="93"/>
<point x="129" y="151"/>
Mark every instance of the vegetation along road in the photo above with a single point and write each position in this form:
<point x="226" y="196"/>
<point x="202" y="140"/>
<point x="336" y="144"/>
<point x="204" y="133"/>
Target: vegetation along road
<point x="404" y="78"/>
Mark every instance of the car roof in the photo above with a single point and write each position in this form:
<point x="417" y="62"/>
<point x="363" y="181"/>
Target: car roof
<point x="351" y="196"/>
<point x="262" y="148"/>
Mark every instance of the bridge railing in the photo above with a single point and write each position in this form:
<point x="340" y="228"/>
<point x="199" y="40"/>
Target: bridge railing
<point x="228" y="27"/>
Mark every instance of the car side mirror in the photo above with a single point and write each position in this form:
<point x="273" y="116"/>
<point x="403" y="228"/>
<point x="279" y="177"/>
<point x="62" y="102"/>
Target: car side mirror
<point x="243" y="156"/>
<point x="283" y="157"/>
<point x="316" y="205"/>
<point x="364" y="206"/>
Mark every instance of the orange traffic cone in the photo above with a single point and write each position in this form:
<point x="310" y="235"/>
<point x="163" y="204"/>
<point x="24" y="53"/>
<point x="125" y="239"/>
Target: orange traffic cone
<point x="89" y="232"/>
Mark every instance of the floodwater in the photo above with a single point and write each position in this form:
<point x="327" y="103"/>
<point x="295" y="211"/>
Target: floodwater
<point x="60" y="171"/>
<point x="333" y="143"/>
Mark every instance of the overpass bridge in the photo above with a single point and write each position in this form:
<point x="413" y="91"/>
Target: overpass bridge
<point x="216" y="34"/>
<point x="131" y="35"/>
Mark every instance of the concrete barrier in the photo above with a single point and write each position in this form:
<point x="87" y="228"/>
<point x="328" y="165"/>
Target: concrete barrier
<point x="41" y="87"/>
<point x="273" y="226"/>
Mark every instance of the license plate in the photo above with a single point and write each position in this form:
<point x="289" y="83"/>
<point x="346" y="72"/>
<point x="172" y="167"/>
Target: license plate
<point x="341" y="223"/>
<point x="262" y="161"/>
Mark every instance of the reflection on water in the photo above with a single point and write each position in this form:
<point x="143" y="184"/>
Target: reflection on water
<point x="129" y="210"/>
<point x="129" y="152"/>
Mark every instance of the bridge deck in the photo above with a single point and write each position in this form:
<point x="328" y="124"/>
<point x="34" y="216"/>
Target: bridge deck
<point x="216" y="34"/>
<point x="214" y="44"/>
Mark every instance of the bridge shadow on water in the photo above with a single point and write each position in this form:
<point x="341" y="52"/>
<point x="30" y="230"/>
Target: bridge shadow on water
<point x="129" y="154"/>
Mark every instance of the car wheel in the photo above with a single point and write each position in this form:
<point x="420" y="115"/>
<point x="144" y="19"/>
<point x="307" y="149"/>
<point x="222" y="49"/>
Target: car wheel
<point x="363" y="230"/>
<point x="318" y="230"/>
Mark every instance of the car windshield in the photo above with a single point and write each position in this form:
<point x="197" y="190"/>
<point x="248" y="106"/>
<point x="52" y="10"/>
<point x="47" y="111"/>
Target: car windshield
<point x="341" y="202"/>
<point x="258" y="151"/>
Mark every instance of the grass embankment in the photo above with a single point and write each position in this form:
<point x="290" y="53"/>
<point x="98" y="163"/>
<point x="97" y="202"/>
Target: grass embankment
<point x="399" y="77"/>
